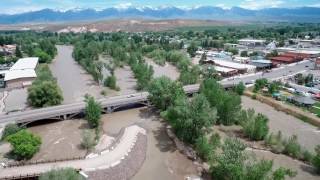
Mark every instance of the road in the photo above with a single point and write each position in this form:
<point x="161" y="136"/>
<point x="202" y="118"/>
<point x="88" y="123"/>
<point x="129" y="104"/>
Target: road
<point x="61" y="110"/>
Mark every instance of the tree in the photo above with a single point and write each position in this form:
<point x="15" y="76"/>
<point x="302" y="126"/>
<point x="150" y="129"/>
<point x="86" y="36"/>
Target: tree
<point x="234" y="51"/>
<point x="273" y="87"/>
<point x="10" y="129"/>
<point x="206" y="147"/>
<point x="235" y="164"/>
<point x="18" y="52"/>
<point x="190" y="119"/>
<point x="228" y="104"/>
<point x="239" y="88"/>
<point x="24" y="144"/>
<point x="61" y="174"/>
<point x="88" y="139"/>
<point x="110" y="82"/>
<point x="244" y="54"/>
<point x="163" y="92"/>
<point x="192" y="49"/>
<point x="92" y="112"/>
<point x="43" y="94"/>
<point x="259" y="84"/>
<point x="43" y="56"/>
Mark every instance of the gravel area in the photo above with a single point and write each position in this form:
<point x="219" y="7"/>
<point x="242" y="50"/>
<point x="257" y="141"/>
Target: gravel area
<point x="128" y="167"/>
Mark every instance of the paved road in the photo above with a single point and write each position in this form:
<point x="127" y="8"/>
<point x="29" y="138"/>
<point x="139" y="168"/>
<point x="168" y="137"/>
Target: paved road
<point x="308" y="135"/>
<point x="107" y="159"/>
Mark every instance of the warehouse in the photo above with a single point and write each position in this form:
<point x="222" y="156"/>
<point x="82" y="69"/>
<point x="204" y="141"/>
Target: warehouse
<point x="21" y="74"/>
<point x="241" y="68"/>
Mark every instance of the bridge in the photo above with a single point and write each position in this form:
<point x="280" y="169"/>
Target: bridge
<point x="62" y="112"/>
<point x="110" y="104"/>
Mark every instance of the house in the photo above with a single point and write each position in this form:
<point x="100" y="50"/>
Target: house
<point x="226" y="71"/>
<point x="261" y="63"/>
<point x="22" y="73"/>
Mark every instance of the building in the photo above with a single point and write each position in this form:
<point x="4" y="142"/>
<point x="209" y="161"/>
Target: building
<point x="252" y="42"/>
<point x="7" y="49"/>
<point x="226" y="71"/>
<point x="261" y="64"/>
<point x="288" y="58"/>
<point x="302" y="101"/>
<point x="241" y="68"/>
<point x="21" y="74"/>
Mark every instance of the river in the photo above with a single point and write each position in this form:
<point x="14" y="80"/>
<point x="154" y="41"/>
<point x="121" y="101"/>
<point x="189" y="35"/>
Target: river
<point x="73" y="80"/>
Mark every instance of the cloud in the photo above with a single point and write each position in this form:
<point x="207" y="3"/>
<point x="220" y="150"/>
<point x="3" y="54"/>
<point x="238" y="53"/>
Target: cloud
<point x="123" y="5"/>
<point x="223" y="6"/>
<point x="260" y="4"/>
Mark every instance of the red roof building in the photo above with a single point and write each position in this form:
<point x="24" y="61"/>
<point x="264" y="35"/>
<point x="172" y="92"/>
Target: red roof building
<point x="288" y="58"/>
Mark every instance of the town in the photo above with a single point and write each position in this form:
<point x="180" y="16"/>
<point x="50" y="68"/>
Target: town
<point x="217" y="102"/>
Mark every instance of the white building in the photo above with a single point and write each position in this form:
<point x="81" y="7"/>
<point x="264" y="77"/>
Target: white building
<point x="242" y="68"/>
<point x="252" y="42"/>
<point x="22" y="73"/>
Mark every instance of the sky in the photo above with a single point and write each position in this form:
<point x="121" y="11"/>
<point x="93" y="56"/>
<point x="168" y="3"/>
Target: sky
<point x="20" y="6"/>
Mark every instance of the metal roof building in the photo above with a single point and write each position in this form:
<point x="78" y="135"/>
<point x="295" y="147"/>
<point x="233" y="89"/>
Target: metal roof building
<point x="22" y="73"/>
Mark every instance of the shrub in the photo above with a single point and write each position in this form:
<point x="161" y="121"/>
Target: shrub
<point x="255" y="126"/>
<point x="110" y="82"/>
<point x="292" y="147"/>
<point x="61" y="174"/>
<point x="24" y="143"/>
<point x="307" y="156"/>
<point x="280" y="173"/>
<point x="9" y="130"/>
<point x="316" y="159"/>
<point x="275" y="142"/>
<point x="254" y="96"/>
<point x="44" y="94"/>
<point x="205" y="148"/>
<point x="239" y="88"/>
<point x="92" y="112"/>
<point x="88" y="140"/>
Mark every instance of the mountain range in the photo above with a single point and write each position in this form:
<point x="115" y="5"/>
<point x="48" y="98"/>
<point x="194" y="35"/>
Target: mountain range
<point x="302" y="14"/>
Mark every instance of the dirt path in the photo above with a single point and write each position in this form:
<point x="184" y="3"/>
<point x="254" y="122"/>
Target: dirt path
<point x="308" y="135"/>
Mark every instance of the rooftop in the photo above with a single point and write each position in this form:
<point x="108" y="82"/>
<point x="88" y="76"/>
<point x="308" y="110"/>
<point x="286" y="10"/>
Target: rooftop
<point x="18" y="74"/>
<point x="25" y="63"/>
<point x="233" y="65"/>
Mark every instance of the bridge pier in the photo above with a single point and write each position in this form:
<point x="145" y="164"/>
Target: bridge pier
<point x="109" y="110"/>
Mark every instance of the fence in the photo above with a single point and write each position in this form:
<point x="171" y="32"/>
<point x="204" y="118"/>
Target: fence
<point x="25" y="163"/>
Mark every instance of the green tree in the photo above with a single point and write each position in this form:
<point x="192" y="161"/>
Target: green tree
<point x="206" y="147"/>
<point x="110" y="82"/>
<point x="273" y="87"/>
<point x="163" y="92"/>
<point x="43" y="94"/>
<point x="227" y="104"/>
<point x="192" y="49"/>
<point x="244" y="54"/>
<point x="43" y="56"/>
<point x="10" y="129"/>
<point x="259" y="84"/>
<point x="93" y="112"/>
<point x="239" y="88"/>
<point x="24" y="144"/>
<point x="18" y="52"/>
<point x="190" y="119"/>
<point x="61" y="174"/>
